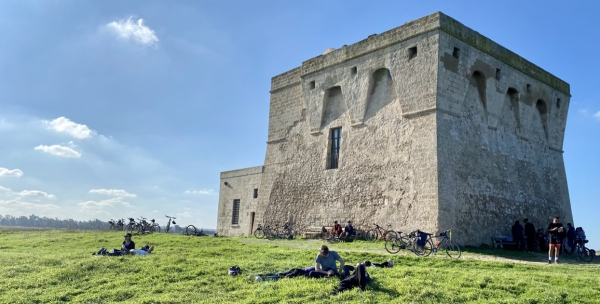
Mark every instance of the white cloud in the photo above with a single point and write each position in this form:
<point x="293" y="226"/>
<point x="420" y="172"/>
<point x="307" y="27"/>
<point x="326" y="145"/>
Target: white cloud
<point x="59" y="150"/>
<point x="99" y="207"/>
<point x="65" y="125"/>
<point x="113" y="192"/>
<point x="597" y="115"/>
<point x="136" y="31"/>
<point x="16" y="207"/>
<point x="36" y="193"/>
<point x="203" y="191"/>
<point x="13" y="172"/>
<point x="3" y="189"/>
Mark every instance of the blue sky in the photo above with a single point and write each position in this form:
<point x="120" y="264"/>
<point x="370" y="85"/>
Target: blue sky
<point x="131" y="108"/>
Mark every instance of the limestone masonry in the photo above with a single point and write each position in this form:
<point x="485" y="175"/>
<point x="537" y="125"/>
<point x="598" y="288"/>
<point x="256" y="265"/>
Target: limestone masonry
<point x="426" y="126"/>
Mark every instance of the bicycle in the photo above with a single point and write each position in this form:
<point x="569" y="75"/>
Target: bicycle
<point x="154" y="227"/>
<point x="259" y="233"/>
<point x="132" y="226"/>
<point x="378" y="232"/>
<point x="191" y="230"/>
<point x="171" y="220"/>
<point x="394" y="245"/>
<point x="143" y="226"/>
<point x="115" y="225"/>
<point x="425" y="244"/>
<point x="582" y="253"/>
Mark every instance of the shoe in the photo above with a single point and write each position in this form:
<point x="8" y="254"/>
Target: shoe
<point x="549" y="261"/>
<point x="391" y="263"/>
<point x="555" y="262"/>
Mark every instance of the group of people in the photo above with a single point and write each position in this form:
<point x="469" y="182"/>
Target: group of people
<point x="556" y="236"/>
<point x="347" y="234"/>
<point x="128" y="247"/>
<point x="326" y="267"/>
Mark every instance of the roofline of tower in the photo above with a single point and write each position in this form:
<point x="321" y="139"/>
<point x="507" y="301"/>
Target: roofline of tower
<point x="435" y="21"/>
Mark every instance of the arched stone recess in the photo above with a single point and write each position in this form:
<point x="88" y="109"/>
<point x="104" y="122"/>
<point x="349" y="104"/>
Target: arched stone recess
<point x="495" y="95"/>
<point x="315" y="92"/>
<point x="542" y="110"/>
<point x="511" y="111"/>
<point x="334" y="107"/>
<point x="475" y="102"/>
<point x="381" y="93"/>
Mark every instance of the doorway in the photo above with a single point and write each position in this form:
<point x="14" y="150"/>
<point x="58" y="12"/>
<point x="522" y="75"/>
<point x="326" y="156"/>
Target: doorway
<point x="251" y="224"/>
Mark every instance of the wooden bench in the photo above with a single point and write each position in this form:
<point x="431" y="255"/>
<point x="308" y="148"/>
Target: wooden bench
<point x="501" y="240"/>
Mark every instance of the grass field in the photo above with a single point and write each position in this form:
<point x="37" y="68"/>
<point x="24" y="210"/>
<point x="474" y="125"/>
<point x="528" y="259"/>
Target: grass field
<point x="58" y="266"/>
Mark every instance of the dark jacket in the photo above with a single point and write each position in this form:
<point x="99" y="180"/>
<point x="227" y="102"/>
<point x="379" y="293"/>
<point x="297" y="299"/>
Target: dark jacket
<point x="517" y="231"/>
<point x="529" y="229"/>
<point x="571" y="233"/>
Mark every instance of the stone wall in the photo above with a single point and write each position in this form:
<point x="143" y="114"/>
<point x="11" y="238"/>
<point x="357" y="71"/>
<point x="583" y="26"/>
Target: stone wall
<point x="498" y="160"/>
<point x="441" y="128"/>
<point x="240" y="185"/>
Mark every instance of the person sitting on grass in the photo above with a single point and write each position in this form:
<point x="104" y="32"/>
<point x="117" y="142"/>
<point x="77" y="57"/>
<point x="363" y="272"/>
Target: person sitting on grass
<point x="126" y="247"/>
<point x="325" y="264"/>
<point x="145" y="250"/>
<point x="337" y="229"/>
<point x="349" y="232"/>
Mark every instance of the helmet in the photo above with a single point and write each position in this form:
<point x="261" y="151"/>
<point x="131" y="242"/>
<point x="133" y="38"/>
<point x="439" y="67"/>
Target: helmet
<point x="234" y="270"/>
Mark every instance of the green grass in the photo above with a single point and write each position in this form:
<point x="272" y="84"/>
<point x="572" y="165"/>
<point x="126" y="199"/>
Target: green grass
<point x="57" y="266"/>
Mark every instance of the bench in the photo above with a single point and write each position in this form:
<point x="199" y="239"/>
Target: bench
<point x="315" y="232"/>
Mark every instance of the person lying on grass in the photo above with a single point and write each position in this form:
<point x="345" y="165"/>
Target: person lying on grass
<point x="360" y="278"/>
<point x="292" y="273"/>
<point x="145" y="250"/>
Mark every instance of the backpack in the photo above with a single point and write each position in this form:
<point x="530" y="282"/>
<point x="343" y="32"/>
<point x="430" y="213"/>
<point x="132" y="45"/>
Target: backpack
<point x="234" y="270"/>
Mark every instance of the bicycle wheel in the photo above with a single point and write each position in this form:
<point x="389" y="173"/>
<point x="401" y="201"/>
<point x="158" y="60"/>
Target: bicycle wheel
<point x="587" y="256"/>
<point x="390" y="234"/>
<point x="393" y="245"/>
<point x="452" y="250"/>
<point x="424" y="250"/>
<point x="259" y="234"/>
<point x="371" y="235"/>
<point x="190" y="230"/>
<point x="151" y="229"/>
<point x="157" y="228"/>
<point x="131" y="228"/>
<point x="140" y="229"/>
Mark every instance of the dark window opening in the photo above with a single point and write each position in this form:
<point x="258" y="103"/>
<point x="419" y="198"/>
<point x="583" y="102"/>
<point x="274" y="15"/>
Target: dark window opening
<point x="456" y="53"/>
<point x="353" y="70"/>
<point x="334" y="155"/>
<point x="412" y="52"/>
<point x="255" y="193"/>
<point x="528" y="88"/>
<point x="312" y="85"/>
<point x="498" y="74"/>
<point x="235" y="217"/>
<point x="558" y="102"/>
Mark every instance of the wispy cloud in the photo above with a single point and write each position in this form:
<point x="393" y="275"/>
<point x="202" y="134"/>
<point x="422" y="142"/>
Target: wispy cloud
<point x="11" y="173"/>
<point x="113" y="192"/>
<point x="59" y="150"/>
<point x="202" y="191"/>
<point x="65" y="125"/>
<point x="100" y="207"/>
<point x="597" y="115"/>
<point x="21" y="207"/>
<point x="36" y="193"/>
<point x="135" y="31"/>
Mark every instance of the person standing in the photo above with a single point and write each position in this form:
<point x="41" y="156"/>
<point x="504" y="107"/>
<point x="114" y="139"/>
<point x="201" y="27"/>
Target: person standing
<point x="530" y="235"/>
<point x="517" y="234"/>
<point x="555" y="229"/>
<point x="571" y="237"/>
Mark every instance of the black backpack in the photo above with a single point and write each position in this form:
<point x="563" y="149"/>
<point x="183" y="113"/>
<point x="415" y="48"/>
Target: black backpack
<point x="234" y="270"/>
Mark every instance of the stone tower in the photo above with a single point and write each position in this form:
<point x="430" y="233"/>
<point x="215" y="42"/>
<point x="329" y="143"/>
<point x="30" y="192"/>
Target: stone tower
<point x="427" y="126"/>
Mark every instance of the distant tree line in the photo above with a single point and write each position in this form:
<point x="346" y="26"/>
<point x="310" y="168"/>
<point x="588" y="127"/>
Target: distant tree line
<point x="46" y="222"/>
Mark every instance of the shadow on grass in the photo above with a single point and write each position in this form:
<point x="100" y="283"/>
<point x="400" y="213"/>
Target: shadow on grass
<point x="375" y="286"/>
<point x="538" y="256"/>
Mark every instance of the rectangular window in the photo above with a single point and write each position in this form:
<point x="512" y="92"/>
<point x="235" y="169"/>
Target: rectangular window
<point x="235" y="217"/>
<point x="456" y="53"/>
<point x="412" y="52"/>
<point x="336" y="141"/>
<point x="255" y="193"/>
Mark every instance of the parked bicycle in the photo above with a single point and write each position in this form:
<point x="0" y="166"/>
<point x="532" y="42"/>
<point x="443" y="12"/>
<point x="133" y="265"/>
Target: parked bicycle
<point x="259" y="233"/>
<point x="143" y="226"/>
<point x="118" y="225"/>
<point x="171" y="220"/>
<point x="191" y="230"/>
<point x="378" y="232"/>
<point x="582" y="253"/>
<point x="425" y="244"/>
<point x="132" y="225"/>
<point x="154" y="227"/>
<point x="408" y="242"/>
